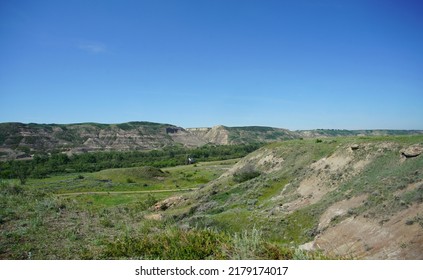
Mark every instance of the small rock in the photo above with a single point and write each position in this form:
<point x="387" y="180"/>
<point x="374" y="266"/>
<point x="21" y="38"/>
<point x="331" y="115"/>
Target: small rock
<point x="412" y="151"/>
<point x="307" y="246"/>
<point x="354" y="147"/>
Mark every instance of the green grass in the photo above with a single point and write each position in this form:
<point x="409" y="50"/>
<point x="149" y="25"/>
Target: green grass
<point x="48" y="219"/>
<point x="110" y="200"/>
<point x="39" y="225"/>
<point x="199" y="244"/>
<point x="298" y="227"/>
<point x="274" y="189"/>
<point x="234" y="220"/>
<point x="135" y="175"/>
<point x="172" y="243"/>
<point x="61" y="218"/>
<point x="141" y="179"/>
<point x="50" y="227"/>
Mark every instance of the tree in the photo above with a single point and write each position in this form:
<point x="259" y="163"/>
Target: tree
<point x="21" y="170"/>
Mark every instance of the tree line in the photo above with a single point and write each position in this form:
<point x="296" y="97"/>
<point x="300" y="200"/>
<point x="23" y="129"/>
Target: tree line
<point x="43" y="165"/>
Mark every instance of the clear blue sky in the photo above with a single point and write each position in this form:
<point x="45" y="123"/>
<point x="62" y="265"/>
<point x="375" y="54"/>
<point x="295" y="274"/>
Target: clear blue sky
<point x="297" y="64"/>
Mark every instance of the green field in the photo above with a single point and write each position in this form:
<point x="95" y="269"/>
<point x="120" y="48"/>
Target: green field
<point x="74" y="216"/>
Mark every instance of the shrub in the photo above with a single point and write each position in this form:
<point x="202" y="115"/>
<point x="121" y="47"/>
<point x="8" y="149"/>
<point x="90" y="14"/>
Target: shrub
<point x="247" y="244"/>
<point x="245" y="174"/>
<point x="10" y="189"/>
<point x="147" y="203"/>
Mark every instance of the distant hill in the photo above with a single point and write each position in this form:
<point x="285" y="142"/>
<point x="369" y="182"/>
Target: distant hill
<point x="224" y="135"/>
<point x="20" y="141"/>
<point x="343" y="132"/>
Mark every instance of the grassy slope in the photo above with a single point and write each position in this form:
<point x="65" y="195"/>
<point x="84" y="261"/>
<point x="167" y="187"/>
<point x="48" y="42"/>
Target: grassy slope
<point x="39" y="221"/>
<point x="225" y="205"/>
<point x="235" y="218"/>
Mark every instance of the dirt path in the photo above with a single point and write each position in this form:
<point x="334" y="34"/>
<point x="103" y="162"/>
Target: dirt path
<point x="127" y="192"/>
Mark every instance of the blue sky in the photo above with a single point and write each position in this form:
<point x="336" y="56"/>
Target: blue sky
<point x="296" y="64"/>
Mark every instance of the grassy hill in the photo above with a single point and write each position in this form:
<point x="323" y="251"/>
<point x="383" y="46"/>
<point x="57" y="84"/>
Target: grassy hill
<point x="343" y="197"/>
<point x="349" y="197"/>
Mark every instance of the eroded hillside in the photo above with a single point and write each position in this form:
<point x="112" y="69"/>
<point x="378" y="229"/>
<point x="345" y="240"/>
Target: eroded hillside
<point x="21" y="141"/>
<point x="359" y="197"/>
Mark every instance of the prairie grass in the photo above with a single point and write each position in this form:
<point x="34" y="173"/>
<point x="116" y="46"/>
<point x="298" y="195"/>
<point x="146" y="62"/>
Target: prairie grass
<point x="200" y="244"/>
<point x="60" y="218"/>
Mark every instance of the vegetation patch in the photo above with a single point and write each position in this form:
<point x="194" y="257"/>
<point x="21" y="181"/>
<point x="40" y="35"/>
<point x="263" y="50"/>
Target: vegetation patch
<point x="299" y="227"/>
<point x="131" y="175"/>
<point x="273" y="189"/>
<point x="200" y="244"/>
<point x="44" y="165"/>
<point x="258" y="213"/>
<point x="245" y="174"/>
<point x="170" y="244"/>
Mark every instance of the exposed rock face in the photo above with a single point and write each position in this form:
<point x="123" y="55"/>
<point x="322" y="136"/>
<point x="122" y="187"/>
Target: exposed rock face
<point x="367" y="238"/>
<point x="218" y="135"/>
<point x="167" y="203"/>
<point x="19" y="140"/>
<point x="76" y="138"/>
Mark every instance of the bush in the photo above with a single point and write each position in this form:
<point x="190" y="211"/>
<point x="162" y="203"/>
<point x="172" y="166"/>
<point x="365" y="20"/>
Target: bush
<point x="247" y="244"/>
<point x="245" y="174"/>
<point x="145" y="204"/>
<point x="10" y="189"/>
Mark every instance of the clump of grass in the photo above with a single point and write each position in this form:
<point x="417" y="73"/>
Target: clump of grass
<point x="417" y="219"/>
<point x="197" y="244"/>
<point x="247" y="244"/>
<point x="172" y="243"/>
<point x="107" y="222"/>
